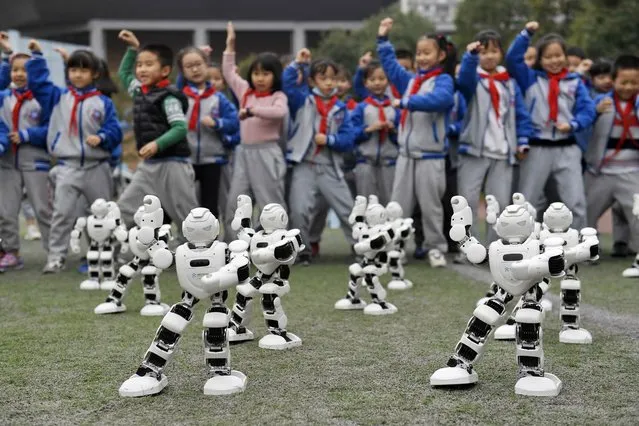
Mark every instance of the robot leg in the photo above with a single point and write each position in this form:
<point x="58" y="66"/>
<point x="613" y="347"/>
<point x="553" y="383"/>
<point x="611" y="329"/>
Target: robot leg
<point x="546" y="304"/>
<point x="571" y="332"/>
<point x="532" y="379"/>
<point x="222" y="380"/>
<point x="633" y="271"/>
<point x="93" y="258"/>
<point x="352" y="300"/>
<point x="113" y="303"/>
<point x="378" y="305"/>
<point x="396" y="269"/>
<point x="492" y="290"/>
<point x="242" y="310"/>
<point x="149" y="379"/>
<point x="106" y="267"/>
<point x="508" y="331"/>
<point x="459" y="370"/>
<point x="151" y="283"/>
<point x="276" y="321"/>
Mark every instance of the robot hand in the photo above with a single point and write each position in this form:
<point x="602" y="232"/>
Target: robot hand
<point x="359" y="210"/>
<point x="228" y="276"/>
<point x="492" y="209"/>
<point x="74" y="242"/>
<point x="551" y="262"/>
<point x="296" y="238"/>
<point x="160" y="255"/>
<point x="461" y="220"/>
<point x="587" y="249"/>
<point x="474" y="251"/>
<point x="121" y="233"/>
<point x="373" y="199"/>
<point x="243" y="213"/>
<point x="146" y="236"/>
<point x="359" y="230"/>
<point x="286" y="250"/>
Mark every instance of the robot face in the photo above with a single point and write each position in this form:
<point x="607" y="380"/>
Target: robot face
<point x="558" y="217"/>
<point x="100" y="208"/>
<point x="273" y="217"/>
<point x="375" y="214"/>
<point x="200" y="226"/>
<point x="394" y="210"/>
<point x="515" y="224"/>
<point x="137" y="217"/>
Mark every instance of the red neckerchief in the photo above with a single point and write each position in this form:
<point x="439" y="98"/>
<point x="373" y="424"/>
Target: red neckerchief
<point x="255" y="93"/>
<point x="553" y="94"/>
<point x="195" y="113"/>
<point x="627" y="119"/>
<point x="21" y="98"/>
<point x="492" y="88"/>
<point x="323" y="109"/>
<point x="161" y="84"/>
<point x="395" y="92"/>
<point x="351" y="104"/>
<point x="417" y="84"/>
<point x="381" y="114"/>
<point x="77" y="99"/>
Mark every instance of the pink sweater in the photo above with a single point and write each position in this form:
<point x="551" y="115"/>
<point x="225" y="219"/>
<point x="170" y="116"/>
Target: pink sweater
<point x="268" y="112"/>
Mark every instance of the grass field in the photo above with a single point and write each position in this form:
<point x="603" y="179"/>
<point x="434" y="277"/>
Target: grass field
<point x="61" y="364"/>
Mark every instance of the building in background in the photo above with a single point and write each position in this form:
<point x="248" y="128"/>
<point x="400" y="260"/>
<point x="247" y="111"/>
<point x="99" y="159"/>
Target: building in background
<point x="440" y="12"/>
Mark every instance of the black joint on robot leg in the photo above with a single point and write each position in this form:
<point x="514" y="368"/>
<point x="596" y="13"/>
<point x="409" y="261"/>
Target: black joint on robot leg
<point x="167" y="336"/>
<point x="182" y="311"/>
<point x="383" y="257"/>
<point x="150" y="297"/>
<point x="529" y="361"/>
<point x="510" y="321"/>
<point x="394" y="262"/>
<point x="495" y="306"/>
<point x="528" y="332"/>
<point x="285" y="272"/>
<point x="246" y="223"/>
<point x="218" y="308"/>
<point x="478" y="328"/>
<point x="217" y="363"/>
<point x="115" y="294"/>
<point x="148" y="280"/>
<point x="215" y="336"/>
<point x="243" y="272"/>
<point x="242" y="300"/>
<point x="531" y="305"/>
<point x="154" y="359"/>
<point x="570" y="297"/>
<point x="466" y="352"/>
<point x="569" y="319"/>
<point x="144" y="371"/>
<point x="93" y="262"/>
<point x="268" y="302"/>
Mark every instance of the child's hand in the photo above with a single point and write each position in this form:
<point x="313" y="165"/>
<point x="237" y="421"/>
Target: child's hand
<point x="5" y="45"/>
<point x="63" y="53"/>
<point x="320" y="139"/>
<point x="129" y="38"/>
<point x="584" y="67"/>
<point x="522" y="153"/>
<point x="532" y="26"/>
<point x="365" y="60"/>
<point x="564" y="127"/>
<point x="230" y="37"/>
<point x="149" y="150"/>
<point x="34" y="46"/>
<point x="206" y="49"/>
<point x="474" y="47"/>
<point x="397" y="103"/>
<point x="385" y="27"/>
<point x="14" y="137"/>
<point x="243" y="114"/>
<point x="390" y="125"/>
<point x="93" y="140"/>
<point x="303" y="56"/>
<point x="375" y="127"/>
<point x="604" y="106"/>
<point x="208" y="121"/>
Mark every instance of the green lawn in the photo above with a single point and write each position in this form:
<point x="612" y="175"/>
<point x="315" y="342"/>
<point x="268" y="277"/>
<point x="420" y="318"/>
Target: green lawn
<point x="59" y="363"/>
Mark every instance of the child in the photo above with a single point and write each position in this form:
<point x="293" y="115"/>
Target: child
<point x="5" y="55"/>
<point x="496" y="127"/>
<point x="210" y="116"/>
<point x="24" y="161"/>
<point x="575" y="56"/>
<point x="321" y="132"/>
<point x="344" y="86"/>
<point x="375" y="122"/>
<point x="83" y="131"/>
<point x="560" y="106"/>
<point x="420" y="174"/>
<point x="259" y="165"/>
<point x="601" y="78"/>
<point x="160" y="128"/>
<point x="612" y="158"/>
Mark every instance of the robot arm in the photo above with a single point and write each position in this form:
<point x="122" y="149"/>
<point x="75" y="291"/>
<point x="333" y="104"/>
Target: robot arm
<point x="242" y="220"/>
<point x="492" y="209"/>
<point x="461" y="221"/>
<point x="234" y="273"/>
<point x="359" y="230"/>
<point x="160" y="255"/>
<point x="587" y="249"/>
<point x="375" y="242"/>
<point x="282" y="252"/>
<point x="551" y="262"/>
<point x="165" y="234"/>
<point x="76" y="234"/>
<point x="359" y="210"/>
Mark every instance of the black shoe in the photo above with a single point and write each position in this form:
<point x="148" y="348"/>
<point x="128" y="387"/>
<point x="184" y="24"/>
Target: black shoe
<point x="620" y="249"/>
<point x="304" y="259"/>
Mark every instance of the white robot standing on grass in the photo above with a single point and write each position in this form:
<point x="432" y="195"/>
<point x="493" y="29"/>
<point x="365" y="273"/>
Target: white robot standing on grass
<point x="103" y="227"/>
<point x="206" y="269"/>
<point x="633" y="271"/>
<point x="517" y="264"/>
<point x="403" y="229"/>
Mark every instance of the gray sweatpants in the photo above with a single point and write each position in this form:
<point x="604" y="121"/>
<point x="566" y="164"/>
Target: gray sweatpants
<point x="620" y="225"/>
<point x="563" y="165"/>
<point x="71" y="184"/>
<point x="309" y="180"/>
<point x="604" y="190"/>
<point x="36" y="183"/>
<point x="376" y="180"/>
<point x="258" y="171"/>
<point x="173" y="182"/>
<point x="493" y="176"/>
<point x="424" y="182"/>
<point x="318" y="223"/>
<point x="223" y="194"/>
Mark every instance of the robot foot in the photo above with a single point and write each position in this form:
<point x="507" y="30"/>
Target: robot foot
<point x="345" y="304"/>
<point x="579" y="336"/>
<point x="243" y="336"/>
<point x="278" y="343"/>
<point x="505" y="332"/>
<point x="107" y="285"/>
<point x="142" y="386"/>
<point x="453" y="376"/>
<point x="225" y="385"/>
<point x="109" y="308"/>
<point x="377" y="309"/>
<point x="548" y="385"/>
<point x="400" y="285"/>
<point x="89" y="285"/>
<point x="153" y="310"/>
<point x="546" y="305"/>
<point x="631" y="272"/>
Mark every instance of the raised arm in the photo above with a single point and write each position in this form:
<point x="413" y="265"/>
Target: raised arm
<point x="468" y="77"/>
<point x="296" y="88"/>
<point x="43" y="89"/>
<point x="515" y="63"/>
<point x="229" y="70"/>
<point x="396" y="74"/>
<point x="127" y="66"/>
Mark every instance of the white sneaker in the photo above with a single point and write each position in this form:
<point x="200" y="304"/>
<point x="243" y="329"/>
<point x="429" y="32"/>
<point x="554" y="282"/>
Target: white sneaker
<point x="436" y="258"/>
<point x="33" y="233"/>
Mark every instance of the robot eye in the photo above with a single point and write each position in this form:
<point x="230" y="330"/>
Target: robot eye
<point x="188" y="228"/>
<point x="208" y="228"/>
<point x="522" y="223"/>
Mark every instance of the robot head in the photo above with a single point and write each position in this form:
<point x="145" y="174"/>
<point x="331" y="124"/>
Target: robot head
<point x="153" y="216"/>
<point x="394" y="211"/>
<point x="558" y="217"/>
<point x="520" y="200"/>
<point x="137" y="217"/>
<point x="273" y="217"/>
<point x="114" y="210"/>
<point x="515" y="224"/>
<point x="200" y="226"/>
<point x="375" y="215"/>
<point x="100" y="208"/>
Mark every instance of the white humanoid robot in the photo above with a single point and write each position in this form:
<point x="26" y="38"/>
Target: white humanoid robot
<point x="579" y="247"/>
<point x="517" y="264"/>
<point x="633" y="271"/>
<point x="206" y="269"/>
<point x="102" y="227"/>
<point x="140" y="265"/>
<point x="272" y="250"/>
<point x="374" y="235"/>
<point x="403" y="229"/>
